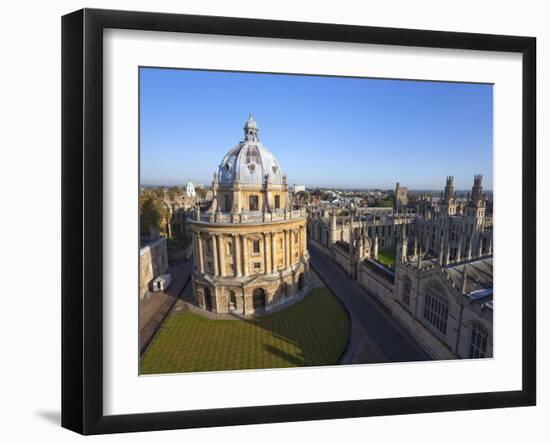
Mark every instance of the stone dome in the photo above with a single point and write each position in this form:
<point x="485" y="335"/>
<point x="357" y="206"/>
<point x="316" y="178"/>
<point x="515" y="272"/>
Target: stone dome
<point x="250" y="162"/>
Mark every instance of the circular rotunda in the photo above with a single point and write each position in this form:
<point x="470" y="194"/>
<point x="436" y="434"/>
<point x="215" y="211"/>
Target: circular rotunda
<point x="249" y="246"/>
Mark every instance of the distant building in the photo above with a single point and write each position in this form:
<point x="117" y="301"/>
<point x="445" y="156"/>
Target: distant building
<point x="401" y="197"/>
<point x="298" y="188"/>
<point x="153" y="262"/>
<point x="190" y="190"/>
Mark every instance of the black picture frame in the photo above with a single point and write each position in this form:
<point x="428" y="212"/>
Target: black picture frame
<point x="82" y="215"/>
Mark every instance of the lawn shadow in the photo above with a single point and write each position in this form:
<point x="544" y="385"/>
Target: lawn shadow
<point x="304" y="326"/>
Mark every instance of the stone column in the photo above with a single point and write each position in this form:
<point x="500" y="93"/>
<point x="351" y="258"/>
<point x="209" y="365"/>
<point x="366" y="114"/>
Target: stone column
<point x="215" y="253"/>
<point x="304" y="240"/>
<point x="266" y="253"/>
<point x="287" y="263"/>
<point x="195" y="250"/>
<point x="245" y="255"/>
<point x="272" y="238"/>
<point x="221" y="253"/>
<point x="237" y="254"/>
<point x="201" y="256"/>
<point x="291" y="235"/>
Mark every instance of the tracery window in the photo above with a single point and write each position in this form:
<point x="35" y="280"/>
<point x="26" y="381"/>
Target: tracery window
<point x="479" y="337"/>
<point x="436" y="310"/>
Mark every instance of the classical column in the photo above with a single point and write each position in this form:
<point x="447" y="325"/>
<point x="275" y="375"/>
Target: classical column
<point x="272" y="235"/>
<point x="201" y="256"/>
<point x="221" y="254"/>
<point x="215" y="253"/>
<point x="304" y="240"/>
<point x="287" y="263"/>
<point x="245" y="255"/>
<point x="291" y="235"/>
<point x="237" y="254"/>
<point x="266" y="253"/>
<point x="195" y="251"/>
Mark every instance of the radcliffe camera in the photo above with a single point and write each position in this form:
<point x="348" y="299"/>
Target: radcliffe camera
<point x="292" y="221"/>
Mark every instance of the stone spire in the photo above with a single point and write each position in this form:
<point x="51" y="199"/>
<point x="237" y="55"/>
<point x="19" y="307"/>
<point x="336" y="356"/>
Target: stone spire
<point x="441" y="252"/>
<point x="464" y="278"/>
<point x="449" y="193"/>
<point x="477" y="191"/>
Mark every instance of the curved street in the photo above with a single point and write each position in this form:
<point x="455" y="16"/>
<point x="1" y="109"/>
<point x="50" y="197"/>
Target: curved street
<point x="376" y="335"/>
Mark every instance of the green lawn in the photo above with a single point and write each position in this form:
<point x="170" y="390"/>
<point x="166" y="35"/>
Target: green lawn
<point x="387" y="258"/>
<point x="312" y="332"/>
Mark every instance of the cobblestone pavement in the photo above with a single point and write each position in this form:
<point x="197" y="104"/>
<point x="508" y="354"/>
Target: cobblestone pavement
<point x="376" y="336"/>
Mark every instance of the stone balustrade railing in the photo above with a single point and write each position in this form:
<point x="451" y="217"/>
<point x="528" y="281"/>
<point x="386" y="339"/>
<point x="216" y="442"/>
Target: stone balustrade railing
<point x="249" y="217"/>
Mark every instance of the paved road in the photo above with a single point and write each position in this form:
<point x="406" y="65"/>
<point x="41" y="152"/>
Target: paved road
<point x="394" y="341"/>
<point x="153" y="311"/>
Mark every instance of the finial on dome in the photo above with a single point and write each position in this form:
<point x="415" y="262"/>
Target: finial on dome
<point x="251" y="129"/>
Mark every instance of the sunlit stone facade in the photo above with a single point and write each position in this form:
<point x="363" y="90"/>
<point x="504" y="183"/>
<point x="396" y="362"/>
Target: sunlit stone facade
<point x="250" y="245"/>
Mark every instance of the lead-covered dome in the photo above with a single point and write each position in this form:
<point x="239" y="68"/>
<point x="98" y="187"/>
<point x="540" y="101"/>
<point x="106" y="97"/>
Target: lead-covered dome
<point x="250" y="162"/>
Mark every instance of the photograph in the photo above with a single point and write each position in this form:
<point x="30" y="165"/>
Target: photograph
<point x="293" y="220"/>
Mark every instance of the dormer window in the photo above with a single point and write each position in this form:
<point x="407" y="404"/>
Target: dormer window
<point x="274" y="169"/>
<point x="251" y="167"/>
<point x="228" y="167"/>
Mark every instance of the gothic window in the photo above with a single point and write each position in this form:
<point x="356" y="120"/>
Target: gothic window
<point x="478" y="340"/>
<point x="406" y="290"/>
<point x="253" y="202"/>
<point x="277" y="202"/>
<point x="256" y="246"/>
<point x="436" y="310"/>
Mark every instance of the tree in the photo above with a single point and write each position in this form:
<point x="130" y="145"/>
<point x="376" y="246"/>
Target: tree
<point x="384" y="203"/>
<point x="149" y="216"/>
<point x="152" y="211"/>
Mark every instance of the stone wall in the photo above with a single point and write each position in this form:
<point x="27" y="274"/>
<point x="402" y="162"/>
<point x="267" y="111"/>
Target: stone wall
<point x="153" y="261"/>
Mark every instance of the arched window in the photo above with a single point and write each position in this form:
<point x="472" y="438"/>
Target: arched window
<point x="253" y="203"/>
<point x="479" y="337"/>
<point x="277" y="202"/>
<point x="436" y="310"/>
<point x="301" y="282"/>
<point x="258" y="299"/>
<point x="406" y="296"/>
<point x="207" y="299"/>
<point x="232" y="301"/>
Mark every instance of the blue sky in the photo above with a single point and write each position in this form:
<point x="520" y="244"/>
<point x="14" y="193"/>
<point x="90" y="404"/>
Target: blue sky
<point x="325" y="131"/>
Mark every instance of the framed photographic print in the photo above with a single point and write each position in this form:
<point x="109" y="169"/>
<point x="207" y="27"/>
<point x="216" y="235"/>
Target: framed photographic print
<point x="269" y="221"/>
